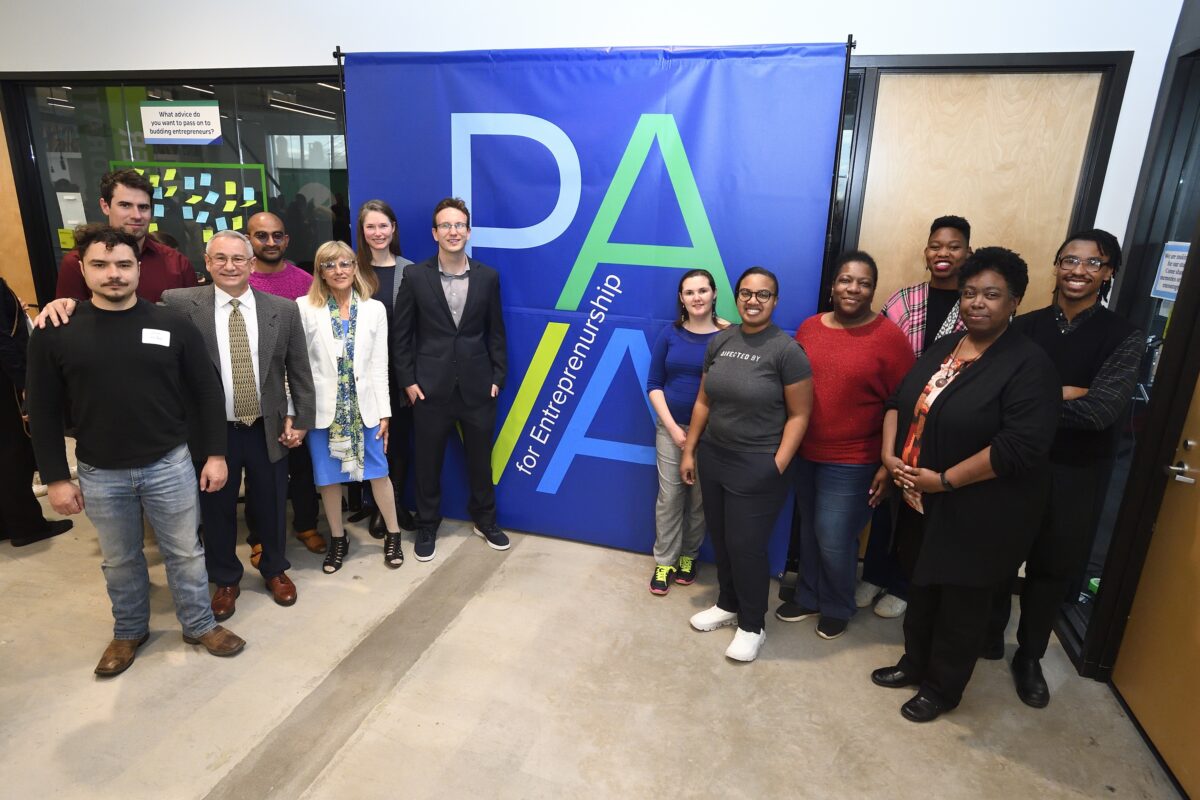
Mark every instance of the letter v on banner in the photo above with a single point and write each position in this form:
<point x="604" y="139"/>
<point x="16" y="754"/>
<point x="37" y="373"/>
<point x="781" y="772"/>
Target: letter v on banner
<point x="598" y="249"/>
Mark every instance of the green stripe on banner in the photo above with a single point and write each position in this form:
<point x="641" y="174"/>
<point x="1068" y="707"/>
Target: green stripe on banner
<point x="531" y="387"/>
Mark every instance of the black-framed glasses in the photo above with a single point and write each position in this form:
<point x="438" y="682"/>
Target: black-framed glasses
<point x="270" y="236"/>
<point x="446" y="227"/>
<point x="763" y="295"/>
<point x="1067" y="263"/>
<point x="343" y="265"/>
<point x="221" y="260"/>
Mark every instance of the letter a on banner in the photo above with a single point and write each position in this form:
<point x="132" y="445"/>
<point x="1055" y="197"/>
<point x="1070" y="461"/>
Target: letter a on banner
<point x="598" y="249"/>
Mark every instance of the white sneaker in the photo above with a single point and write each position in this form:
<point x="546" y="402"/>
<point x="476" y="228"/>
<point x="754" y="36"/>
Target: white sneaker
<point x="745" y="645"/>
<point x="866" y="593"/>
<point x="890" y="607"/>
<point x="712" y="618"/>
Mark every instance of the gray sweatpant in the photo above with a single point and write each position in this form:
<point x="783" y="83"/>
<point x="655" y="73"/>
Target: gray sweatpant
<point x="679" y="510"/>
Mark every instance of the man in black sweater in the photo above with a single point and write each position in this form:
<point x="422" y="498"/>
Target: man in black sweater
<point x="1097" y="354"/>
<point x="120" y="354"/>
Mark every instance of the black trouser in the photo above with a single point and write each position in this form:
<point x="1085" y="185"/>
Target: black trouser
<point x="944" y="629"/>
<point x="400" y="434"/>
<point x="266" y="502"/>
<point x="300" y="490"/>
<point x="20" y="512"/>
<point x="742" y="493"/>
<point x="433" y="422"/>
<point x="881" y="564"/>
<point x="1058" y="554"/>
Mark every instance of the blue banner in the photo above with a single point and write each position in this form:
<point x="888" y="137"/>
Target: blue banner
<point x="594" y="178"/>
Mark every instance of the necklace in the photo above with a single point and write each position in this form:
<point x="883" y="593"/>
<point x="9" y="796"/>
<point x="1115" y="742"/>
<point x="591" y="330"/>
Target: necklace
<point x="952" y="366"/>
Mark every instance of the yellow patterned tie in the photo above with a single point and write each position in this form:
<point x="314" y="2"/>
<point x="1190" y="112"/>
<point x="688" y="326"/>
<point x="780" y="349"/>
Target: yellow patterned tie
<point x="245" y="393"/>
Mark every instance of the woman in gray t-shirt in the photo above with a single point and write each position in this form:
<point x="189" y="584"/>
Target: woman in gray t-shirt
<point x="751" y="413"/>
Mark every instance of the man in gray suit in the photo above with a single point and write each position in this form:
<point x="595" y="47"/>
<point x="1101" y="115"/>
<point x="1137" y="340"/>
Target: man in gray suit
<point x="256" y="344"/>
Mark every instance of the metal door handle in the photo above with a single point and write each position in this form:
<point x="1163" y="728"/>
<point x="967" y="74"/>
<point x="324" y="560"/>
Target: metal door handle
<point x="1180" y="472"/>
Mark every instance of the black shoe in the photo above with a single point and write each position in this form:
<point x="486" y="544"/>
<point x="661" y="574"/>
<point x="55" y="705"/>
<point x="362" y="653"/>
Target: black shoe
<point x="362" y="513"/>
<point x="338" y="547"/>
<point x="993" y="651"/>
<point x="790" y="612"/>
<point x="53" y="528"/>
<point x="830" y="628"/>
<point x="922" y="709"/>
<point x="376" y="526"/>
<point x="494" y="535"/>
<point x="393" y="556"/>
<point x="426" y="544"/>
<point x="1031" y="684"/>
<point x="405" y="518"/>
<point x="893" y="678"/>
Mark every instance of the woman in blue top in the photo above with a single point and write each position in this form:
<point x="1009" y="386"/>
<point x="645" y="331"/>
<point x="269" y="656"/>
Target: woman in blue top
<point x="675" y="368"/>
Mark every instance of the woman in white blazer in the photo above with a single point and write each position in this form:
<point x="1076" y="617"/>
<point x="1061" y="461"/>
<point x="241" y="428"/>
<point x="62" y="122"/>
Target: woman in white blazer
<point x="347" y="335"/>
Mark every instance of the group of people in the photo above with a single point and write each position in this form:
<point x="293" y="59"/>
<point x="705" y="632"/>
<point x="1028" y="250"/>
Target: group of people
<point x="302" y="383"/>
<point x="996" y="431"/>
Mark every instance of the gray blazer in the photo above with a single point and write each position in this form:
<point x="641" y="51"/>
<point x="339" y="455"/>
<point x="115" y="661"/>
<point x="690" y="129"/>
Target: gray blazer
<point x="282" y="355"/>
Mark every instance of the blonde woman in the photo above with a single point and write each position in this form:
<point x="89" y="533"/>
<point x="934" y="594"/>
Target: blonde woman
<point x="347" y="335"/>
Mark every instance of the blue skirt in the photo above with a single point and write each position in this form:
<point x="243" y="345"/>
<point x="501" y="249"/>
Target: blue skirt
<point x="328" y="471"/>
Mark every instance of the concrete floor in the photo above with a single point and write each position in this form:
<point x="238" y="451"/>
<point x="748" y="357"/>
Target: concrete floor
<point x="545" y="671"/>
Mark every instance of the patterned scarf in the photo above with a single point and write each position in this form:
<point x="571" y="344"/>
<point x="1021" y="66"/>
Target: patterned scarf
<point x="346" y="432"/>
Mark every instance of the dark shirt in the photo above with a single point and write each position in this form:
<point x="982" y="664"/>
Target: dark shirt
<point x="162" y="268"/>
<point x="937" y="309"/>
<point x="14" y="337"/>
<point x="1113" y="384"/>
<point x="126" y="375"/>
<point x="676" y="364"/>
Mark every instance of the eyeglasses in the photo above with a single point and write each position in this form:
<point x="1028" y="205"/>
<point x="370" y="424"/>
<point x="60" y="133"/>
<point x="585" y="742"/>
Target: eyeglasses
<point x="446" y="227"/>
<point x="1068" y="263"/>
<point x="763" y="295"/>
<point x="332" y="266"/>
<point x="270" y="236"/>
<point x="221" y="260"/>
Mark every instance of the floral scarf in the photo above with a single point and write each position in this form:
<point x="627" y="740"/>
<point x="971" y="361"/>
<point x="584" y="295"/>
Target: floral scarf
<point x="346" y="432"/>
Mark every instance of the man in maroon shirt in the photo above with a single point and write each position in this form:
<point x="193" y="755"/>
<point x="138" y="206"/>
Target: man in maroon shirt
<point x="125" y="201"/>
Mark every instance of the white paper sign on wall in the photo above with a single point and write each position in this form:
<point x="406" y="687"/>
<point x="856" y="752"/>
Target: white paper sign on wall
<point x="194" y="122"/>
<point x="1170" y="270"/>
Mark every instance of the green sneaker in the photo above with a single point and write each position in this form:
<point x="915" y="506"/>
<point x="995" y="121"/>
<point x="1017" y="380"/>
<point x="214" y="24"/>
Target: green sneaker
<point x="688" y="567"/>
<point x="661" y="582"/>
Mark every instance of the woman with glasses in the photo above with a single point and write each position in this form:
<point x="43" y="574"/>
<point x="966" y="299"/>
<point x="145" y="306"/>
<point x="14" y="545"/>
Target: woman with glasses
<point x="858" y="359"/>
<point x="675" y="366"/>
<point x="966" y="437"/>
<point x="347" y="337"/>
<point x="378" y="252"/>
<point x="749" y="417"/>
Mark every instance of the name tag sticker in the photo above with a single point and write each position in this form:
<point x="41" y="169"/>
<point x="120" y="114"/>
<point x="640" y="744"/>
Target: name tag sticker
<point x="155" y="336"/>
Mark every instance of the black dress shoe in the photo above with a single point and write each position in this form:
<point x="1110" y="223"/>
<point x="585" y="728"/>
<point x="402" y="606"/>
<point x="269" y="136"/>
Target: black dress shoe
<point x="893" y="678"/>
<point x="922" y="709"/>
<point x="53" y="528"/>
<point x="1031" y="684"/>
<point x="993" y="651"/>
<point x="405" y="517"/>
<point x="376" y="527"/>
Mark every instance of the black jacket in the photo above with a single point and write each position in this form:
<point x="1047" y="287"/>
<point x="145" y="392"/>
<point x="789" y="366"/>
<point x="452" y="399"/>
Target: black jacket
<point x="1010" y="399"/>
<point x="429" y="350"/>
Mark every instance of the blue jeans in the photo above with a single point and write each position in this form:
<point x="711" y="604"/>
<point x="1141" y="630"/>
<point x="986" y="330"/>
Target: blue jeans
<point x="166" y="491"/>
<point x="832" y="499"/>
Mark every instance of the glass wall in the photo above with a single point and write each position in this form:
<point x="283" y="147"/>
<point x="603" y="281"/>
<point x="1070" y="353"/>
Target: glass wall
<point x="272" y="146"/>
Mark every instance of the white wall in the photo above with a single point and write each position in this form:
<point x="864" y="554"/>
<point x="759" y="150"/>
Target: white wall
<point x="77" y="36"/>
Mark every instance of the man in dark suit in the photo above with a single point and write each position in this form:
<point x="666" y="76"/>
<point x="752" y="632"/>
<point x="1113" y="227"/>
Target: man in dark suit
<point x="448" y="345"/>
<point x="256" y="344"/>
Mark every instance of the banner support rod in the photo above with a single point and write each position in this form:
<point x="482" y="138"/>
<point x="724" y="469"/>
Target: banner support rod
<point x="837" y="159"/>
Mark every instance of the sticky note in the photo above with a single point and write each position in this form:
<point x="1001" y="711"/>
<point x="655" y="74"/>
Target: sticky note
<point x="66" y="238"/>
<point x="154" y="179"/>
<point x="212" y="197"/>
<point x="158" y="193"/>
<point x="189" y="183"/>
<point x="158" y="210"/>
<point x="208" y="234"/>
<point x="249" y="203"/>
<point x="237" y="223"/>
<point x="202" y="217"/>
<point x="187" y="212"/>
<point x="171" y="190"/>
<point x="169" y="175"/>
<point x="193" y="199"/>
<point x="230" y="205"/>
<point x="222" y="224"/>
<point x="140" y="171"/>
<point x="153" y="227"/>
<point x="230" y="187"/>
<point x="248" y="193"/>
<point x="205" y="179"/>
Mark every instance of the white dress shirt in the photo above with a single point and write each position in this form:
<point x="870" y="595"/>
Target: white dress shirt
<point x="250" y="316"/>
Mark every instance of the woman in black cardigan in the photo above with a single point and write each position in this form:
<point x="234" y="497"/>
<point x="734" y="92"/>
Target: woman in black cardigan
<point x="966" y="438"/>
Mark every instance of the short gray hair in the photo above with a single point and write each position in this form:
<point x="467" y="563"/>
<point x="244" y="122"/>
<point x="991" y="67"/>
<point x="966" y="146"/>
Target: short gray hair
<point x="228" y="234"/>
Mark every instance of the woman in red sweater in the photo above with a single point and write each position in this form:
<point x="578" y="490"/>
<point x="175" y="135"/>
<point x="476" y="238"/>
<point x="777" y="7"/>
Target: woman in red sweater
<point x="858" y="359"/>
